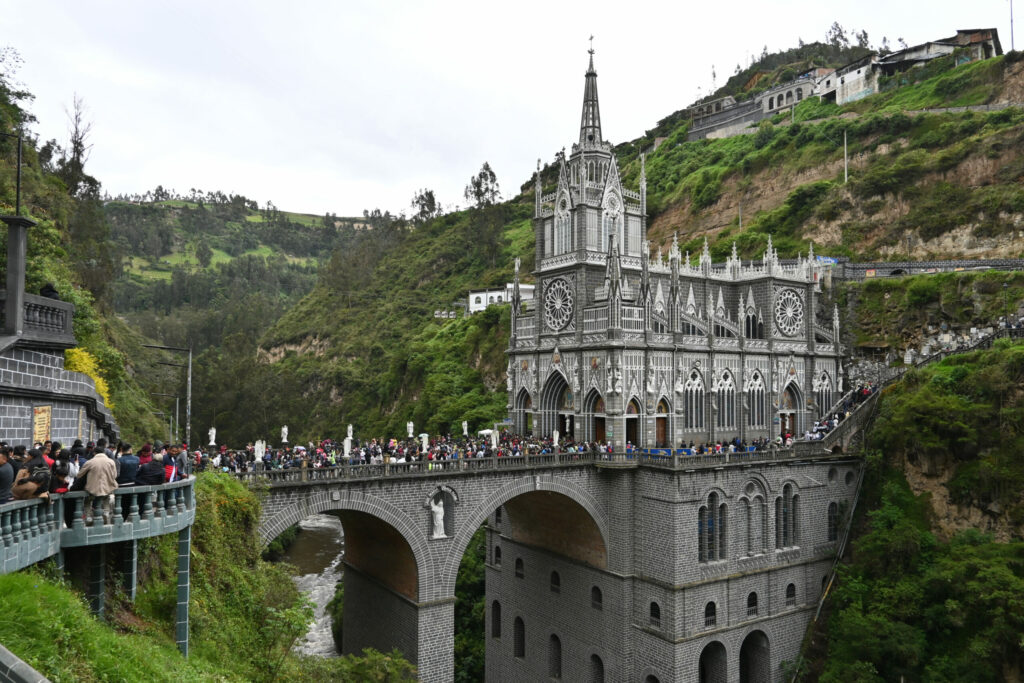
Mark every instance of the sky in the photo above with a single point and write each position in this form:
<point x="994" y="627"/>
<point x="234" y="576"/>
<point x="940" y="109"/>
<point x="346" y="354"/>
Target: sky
<point x="347" y="105"/>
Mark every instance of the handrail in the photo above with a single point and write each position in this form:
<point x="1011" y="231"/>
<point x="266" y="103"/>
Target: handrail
<point x="33" y="530"/>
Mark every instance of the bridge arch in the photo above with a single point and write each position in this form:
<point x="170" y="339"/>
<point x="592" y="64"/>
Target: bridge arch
<point x="352" y="501"/>
<point x="521" y="486"/>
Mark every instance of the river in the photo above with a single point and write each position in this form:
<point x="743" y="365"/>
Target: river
<point x="316" y="553"/>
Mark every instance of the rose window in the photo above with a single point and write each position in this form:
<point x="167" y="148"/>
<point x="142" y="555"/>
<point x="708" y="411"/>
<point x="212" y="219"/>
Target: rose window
<point x="558" y="304"/>
<point x="789" y="312"/>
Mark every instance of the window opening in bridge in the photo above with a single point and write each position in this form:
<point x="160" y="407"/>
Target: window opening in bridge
<point x="497" y="516"/>
<point x="554" y="657"/>
<point x="596" y="599"/>
<point x="596" y="669"/>
<point x="791" y="595"/>
<point x="711" y="530"/>
<point x="752" y="605"/>
<point x="497" y="556"/>
<point x="655" y="615"/>
<point x="495" y="619"/>
<point x="710" y="615"/>
<point x="556" y="583"/>
<point x="519" y="638"/>
<point x="519" y="568"/>
<point x="651" y="679"/>
<point x="833" y="521"/>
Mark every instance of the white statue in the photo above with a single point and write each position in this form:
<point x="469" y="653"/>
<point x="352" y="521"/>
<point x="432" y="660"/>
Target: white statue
<point x="348" y="446"/>
<point x="437" y="510"/>
<point x="350" y="431"/>
<point x="510" y="376"/>
<point x="554" y="437"/>
<point x="423" y="441"/>
<point x="260" y="449"/>
<point x="611" y="383"/>
<point x="494" y="439"/>
<point x="618" y="381"/>
<point x="576" y="383"/>
<point x="465" y="428"/>
<point x="650" y="380"/>
<point x="213" y="436"/>
<point x="284" y="434"/>
<point x="680" y="386"/>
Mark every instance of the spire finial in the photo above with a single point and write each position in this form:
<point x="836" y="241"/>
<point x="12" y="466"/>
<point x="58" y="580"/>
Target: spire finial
<point x="591" y="50"/>
<point x="590" y="121"/>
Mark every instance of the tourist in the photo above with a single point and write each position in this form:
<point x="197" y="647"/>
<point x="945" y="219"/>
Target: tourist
<point x="33" y="479"/>
<point x="129" y="466"/>
<point x="101" y="482"/>
<point x="6" y="475"/>
<point x="145" y="454"/>
<point x="151" y="473"/>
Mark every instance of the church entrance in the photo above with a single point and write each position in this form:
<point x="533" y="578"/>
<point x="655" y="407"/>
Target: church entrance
<point x="524" y="413"/>
<point x="661" y="425"/>
<point x="556" y="404"/>
<point x="595" y="412"/>
<point x="632" y="422"/>
<point x="788" y="409"/>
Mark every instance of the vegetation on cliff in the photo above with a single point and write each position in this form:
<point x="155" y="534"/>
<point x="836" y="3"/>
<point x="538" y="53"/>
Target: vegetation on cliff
<point x="921" y="600"/>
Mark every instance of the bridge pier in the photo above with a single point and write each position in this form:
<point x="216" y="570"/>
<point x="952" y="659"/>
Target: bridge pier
<point x="181" y="618"/>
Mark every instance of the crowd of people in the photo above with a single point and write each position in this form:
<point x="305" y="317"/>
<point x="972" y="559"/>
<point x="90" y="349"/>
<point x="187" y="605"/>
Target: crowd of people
<point x="850" y="402"/>
<point x="48" y="467"/>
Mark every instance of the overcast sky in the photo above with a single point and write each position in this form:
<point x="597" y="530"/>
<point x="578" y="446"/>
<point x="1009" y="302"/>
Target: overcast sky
<point x="341" y="106"/>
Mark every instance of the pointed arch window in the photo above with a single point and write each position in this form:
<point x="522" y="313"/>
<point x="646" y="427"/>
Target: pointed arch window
<point x="823" y="393"/>
<point x="563" y="227"/>
<point x="726" y="389"/>
<point x="757" y="415"/>
<point x="611" y="223"/>
<point x="693" y="402"/>
<point x="787" y="527"/>
<point x="753" y="327"/>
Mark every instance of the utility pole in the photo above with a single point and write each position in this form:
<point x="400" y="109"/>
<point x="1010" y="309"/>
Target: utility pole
<point x="846" y="161"/>
<point x="188" y="388"/>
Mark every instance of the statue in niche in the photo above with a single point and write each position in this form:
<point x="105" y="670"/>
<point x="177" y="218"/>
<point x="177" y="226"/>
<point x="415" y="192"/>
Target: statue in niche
<point x="618" y="381"/>
<point x="437" y="512"/>
<point x="680" y="375"/>
<point x="576" y="382"/>
<point x="213" y="436"/>
<point x="650" y="379"/>
<point x="284" y="434"/>
<point x="510" y="380"/>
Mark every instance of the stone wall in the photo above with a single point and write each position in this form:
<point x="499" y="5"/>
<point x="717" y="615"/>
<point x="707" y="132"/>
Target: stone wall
<point x="34" y="378"/>
<point x="375" y="616"/>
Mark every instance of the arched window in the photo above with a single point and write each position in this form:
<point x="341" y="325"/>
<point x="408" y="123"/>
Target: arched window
<point x="753" y="326"/>
<point x="519" y="638"/>
<point x="556" y="583"/>
<point x="752" y="605"/>
<point x="495" y="619"/>
<point x="789" y="97"/>
<point x="479" y="300"/>
<point x="757" y="414"/>
<point x="596" y="599"/>
<point x="519" y="568"/>
<point x="563" y="230"/>
<point x="554" y="657"/>
<point x="787" y="531"/>
<point x="799" y="94"/>
<point x="726" y="402"/>
<point x="693" y="401"/>
<point x="596" y="669"/>
<point x="771" y="103"/>
<point x="497" y="556"/>
<point x="823" y="394"/>
<point x="710" y="615"/>
<point x="655" y="615"/>
<point x="791" y="595"/>
<point x="711" y="530"/>
<point x="651" y="678"/>
<point x="833" y="521"/>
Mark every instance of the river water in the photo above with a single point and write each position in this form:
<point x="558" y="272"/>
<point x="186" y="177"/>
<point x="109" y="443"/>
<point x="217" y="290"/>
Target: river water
<point x="316" y="553"/>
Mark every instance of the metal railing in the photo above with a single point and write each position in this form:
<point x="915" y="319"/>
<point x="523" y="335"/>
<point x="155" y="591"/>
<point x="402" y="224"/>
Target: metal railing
<point x="33" y="530"/>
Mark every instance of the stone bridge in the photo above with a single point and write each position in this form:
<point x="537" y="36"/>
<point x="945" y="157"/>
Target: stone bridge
<point x="595" y="512"/>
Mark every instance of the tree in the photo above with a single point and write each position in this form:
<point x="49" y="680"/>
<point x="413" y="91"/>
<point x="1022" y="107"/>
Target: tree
<point x="483" y="188"/>
<point x="425" y="206"/>
<point x="71" y="168"/>
<point x="203" y="253"/>
<point x="836" y="36"/>
<point x="862" y="39"/>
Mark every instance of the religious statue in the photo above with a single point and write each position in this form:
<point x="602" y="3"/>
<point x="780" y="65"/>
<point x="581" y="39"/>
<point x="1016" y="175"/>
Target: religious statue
<point x="350" y="431"/>
<point x="680" y="385"/>
<point x="409" y="427"/>
<point x="437" y="511"/>
<point x="650" y="380"/>
<point x="510" y="376"/>
<point x="576" y="382"/>
<point x="517" y="263"/>
<point x="610" y="390"/>
<point x="554" y="438"/>
<point x="213" y="436"/>
<point x="348" y="446"/>
<point x="284" y="434"/>
<point x="465" y="428"/>
<point x="618" y="381"/>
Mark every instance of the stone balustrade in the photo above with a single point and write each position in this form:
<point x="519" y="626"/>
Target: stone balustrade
<point x="47" y="322"/>
<point x="33" y="530"/>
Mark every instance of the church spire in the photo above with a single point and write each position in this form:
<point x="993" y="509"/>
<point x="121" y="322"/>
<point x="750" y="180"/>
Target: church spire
<point x="590" y="122"/>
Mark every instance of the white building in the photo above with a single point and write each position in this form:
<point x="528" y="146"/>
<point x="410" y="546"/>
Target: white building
<point x="479" y="300"/>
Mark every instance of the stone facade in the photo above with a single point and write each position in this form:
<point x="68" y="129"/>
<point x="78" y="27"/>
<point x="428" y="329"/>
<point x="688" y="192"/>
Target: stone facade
<point x="621" y="346"/>
<point x="35" y="378"/>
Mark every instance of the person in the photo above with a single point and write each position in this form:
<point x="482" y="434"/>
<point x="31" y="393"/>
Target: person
<point x="152" y="473"/>
<point x="129" y="466"/>
<point x="145" y="454"/>
<point x="33" y="479"/>
<point x="171" y="471"/>
<point x="6" y="475"/>
<point x="101" y="482"/>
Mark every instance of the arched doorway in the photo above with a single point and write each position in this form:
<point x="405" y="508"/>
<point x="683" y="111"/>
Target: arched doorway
<point x="661" y="427"/>
<point x="524" y="412"/>
<point x="789" y="405"/>
<point x="633" y="421"/>
<point x="754" y="659"/>
<point x="595" y="411"/>
<point x="712" y="666"/>
<point x="557" y="408"/>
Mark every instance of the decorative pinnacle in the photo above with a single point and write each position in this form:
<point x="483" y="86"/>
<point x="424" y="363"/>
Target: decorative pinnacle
<point x="591" y="50"/>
